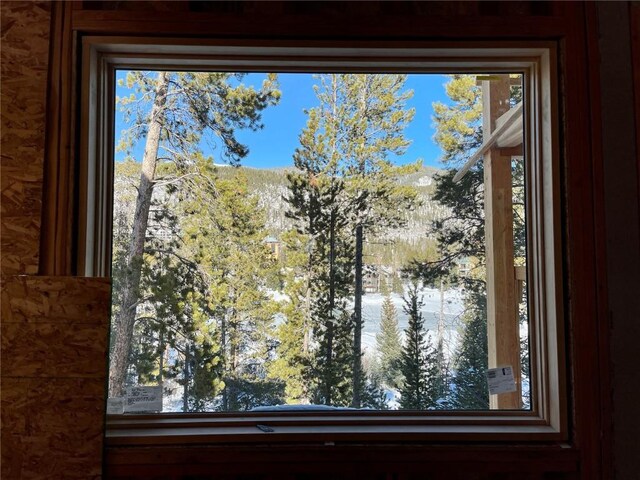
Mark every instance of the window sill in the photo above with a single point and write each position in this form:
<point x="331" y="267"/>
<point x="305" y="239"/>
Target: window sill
<point x="190" y="429"/>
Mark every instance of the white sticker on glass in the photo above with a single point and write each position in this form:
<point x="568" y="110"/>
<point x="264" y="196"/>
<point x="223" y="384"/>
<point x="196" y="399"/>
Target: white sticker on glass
<point x="115" y="405"/>
<point x="501" y="380"/>
<point x="143" y="399"/>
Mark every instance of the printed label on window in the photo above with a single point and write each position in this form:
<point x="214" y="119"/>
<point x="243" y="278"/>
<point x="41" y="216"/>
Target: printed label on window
<point x="115" y="405"/>
<point x="143" y="399"/>
<point x="501" y="380"/>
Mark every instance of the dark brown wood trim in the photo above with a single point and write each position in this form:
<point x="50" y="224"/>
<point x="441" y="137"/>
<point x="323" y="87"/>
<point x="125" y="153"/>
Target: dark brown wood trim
<point x="56" y="237"/>
<point x="584" y="246"/>
<point x="344" y="26"/>
<point x="605" y="400"/>
<point x="341" y="461"/>
<point x="634" y="20"/>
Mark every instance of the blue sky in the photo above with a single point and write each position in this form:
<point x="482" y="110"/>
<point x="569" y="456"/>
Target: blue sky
<point x="273" y="146"/>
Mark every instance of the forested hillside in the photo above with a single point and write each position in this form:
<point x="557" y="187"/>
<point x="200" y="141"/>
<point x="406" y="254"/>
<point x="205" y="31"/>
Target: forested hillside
<point x="394" y="248"/>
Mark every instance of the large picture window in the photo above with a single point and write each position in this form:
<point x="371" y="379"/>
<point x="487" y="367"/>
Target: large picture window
<point x="346" y="280"/>
<point x="338" y="271"/>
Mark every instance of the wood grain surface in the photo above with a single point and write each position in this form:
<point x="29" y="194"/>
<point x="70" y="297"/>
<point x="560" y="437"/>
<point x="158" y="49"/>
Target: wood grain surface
<point x="24" y="55"/>
<point x="54" y="354"/>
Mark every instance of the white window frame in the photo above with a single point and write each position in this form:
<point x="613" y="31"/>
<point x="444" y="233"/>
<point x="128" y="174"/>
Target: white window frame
<point x="547" y="419"/>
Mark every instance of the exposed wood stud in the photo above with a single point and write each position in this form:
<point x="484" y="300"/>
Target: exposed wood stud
<point x="502" y="306"/>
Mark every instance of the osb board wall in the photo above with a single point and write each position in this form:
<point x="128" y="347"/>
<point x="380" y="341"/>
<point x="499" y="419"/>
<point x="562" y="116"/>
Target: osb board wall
<point x="54" y="343"/>
<point x="53" y="330"/>
<point x="24" y="53"/>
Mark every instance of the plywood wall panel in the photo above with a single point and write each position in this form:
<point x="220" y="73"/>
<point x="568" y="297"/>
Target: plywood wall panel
<point x="14" y="406"/>
<point x="19" y="241"/>
<point x="24" y="55"/>
<point x="21" y="189"/>
<point x="49" y="300"/>
<point x="54" y="363"/>
<point x="43" y="349"/>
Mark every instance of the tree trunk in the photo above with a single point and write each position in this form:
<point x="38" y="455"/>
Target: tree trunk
<point x="441" y="317"/>
<point x="332" y="304"/>
<point x="307" y="318"/>
<point x="357" y="304"/>
<point x="130" y="296"/>
<point x="223" y="345"/>
<point x="330" y="374"/>
<point x="357" y="317"/>
<point x="232" y="356"/>
<point x="163" y="348"/>
<point x="187" y="375"/>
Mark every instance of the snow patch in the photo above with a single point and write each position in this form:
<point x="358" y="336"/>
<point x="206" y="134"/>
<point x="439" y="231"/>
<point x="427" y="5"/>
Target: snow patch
<point x="424" y="181"/>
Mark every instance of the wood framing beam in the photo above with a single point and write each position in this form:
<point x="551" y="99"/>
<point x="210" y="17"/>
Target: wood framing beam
<point x="502" y="306"/>
<point x="512" y="152"/>
<point x="503" y="126"/>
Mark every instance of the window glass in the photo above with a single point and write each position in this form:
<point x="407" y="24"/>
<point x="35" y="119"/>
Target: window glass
<point x="309" y="241"/>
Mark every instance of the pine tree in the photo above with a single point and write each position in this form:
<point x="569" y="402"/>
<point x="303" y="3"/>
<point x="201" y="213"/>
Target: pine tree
<point x="470" y="384"/>
<point x="316" y="205"/>
<point x="172" y="112"/>
<point x="172" y="290"/>
<point x="376" y="116"/>
<point x="293" y="334"/>
<point x="389" y="345"/>
<point x="197" y="366"/>
<point x="374" y="395"/>
<point x="216" y="243"/>
<point x="417" y="356"/>
<point x="226" y="237"/>
<point x="439" y="373"/>
<point x="458" y="132"/>
<point x="204" y="374"/>
<point x="345" y="149"/>
<point x="396" y="285"/>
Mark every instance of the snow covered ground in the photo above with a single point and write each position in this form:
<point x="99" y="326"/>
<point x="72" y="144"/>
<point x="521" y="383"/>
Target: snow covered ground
<point x="372" y="309"/>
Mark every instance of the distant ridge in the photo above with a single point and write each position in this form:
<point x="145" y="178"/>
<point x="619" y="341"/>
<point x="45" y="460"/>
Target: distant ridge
<point x="393" y="247"/>
<point x="270" y="186"/>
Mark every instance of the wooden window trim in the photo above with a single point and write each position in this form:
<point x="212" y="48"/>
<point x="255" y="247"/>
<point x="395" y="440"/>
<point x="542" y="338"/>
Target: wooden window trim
<point x="547" y="422"/>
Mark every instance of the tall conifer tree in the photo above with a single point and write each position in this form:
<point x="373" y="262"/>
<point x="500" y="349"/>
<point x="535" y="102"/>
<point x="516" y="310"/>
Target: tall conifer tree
<point x="348" y="141"/>
<point x="389" y="345"/>
<point x="417" y="356"/>
<point x="458" y="132"/>
<point x="316" y="203"/>
<point x="293" y="335"/>
<point x="376" y="117"/>
<point x="471" y="392"/>
<point x="225" y="235"/>
<point x="172" y="112"/>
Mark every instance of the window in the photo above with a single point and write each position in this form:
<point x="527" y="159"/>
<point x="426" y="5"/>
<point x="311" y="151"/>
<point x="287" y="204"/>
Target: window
<point x="533" y="72"/>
